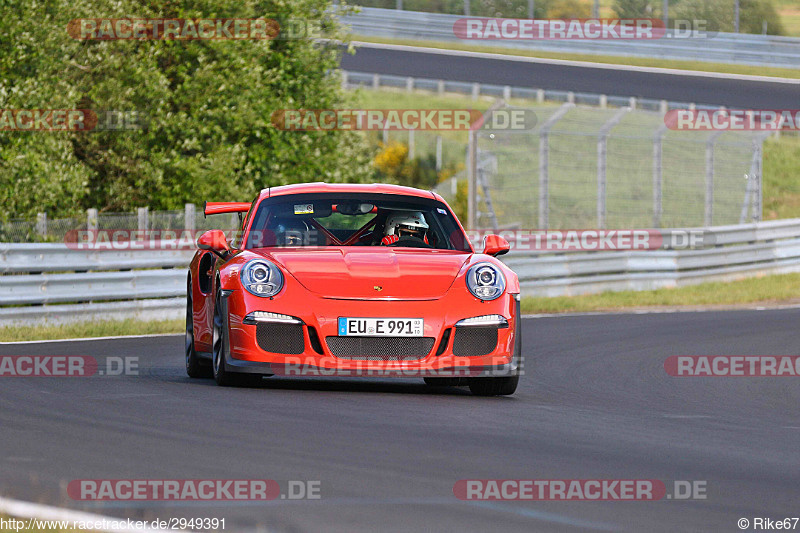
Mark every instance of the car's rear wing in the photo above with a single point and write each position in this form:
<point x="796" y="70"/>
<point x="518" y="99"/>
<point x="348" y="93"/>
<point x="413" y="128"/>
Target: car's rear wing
<point x="215" y="208"/>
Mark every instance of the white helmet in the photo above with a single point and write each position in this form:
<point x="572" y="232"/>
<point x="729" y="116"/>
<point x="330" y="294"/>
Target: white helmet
<point x="406" y="221"/>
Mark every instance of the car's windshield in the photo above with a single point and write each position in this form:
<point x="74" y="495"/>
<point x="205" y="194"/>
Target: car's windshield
<point x="355" y="220"/>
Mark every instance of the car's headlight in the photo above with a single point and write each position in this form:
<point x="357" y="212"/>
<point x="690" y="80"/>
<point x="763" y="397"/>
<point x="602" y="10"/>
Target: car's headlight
<point x="486" y="281"/>
<point x="261" y="278"/>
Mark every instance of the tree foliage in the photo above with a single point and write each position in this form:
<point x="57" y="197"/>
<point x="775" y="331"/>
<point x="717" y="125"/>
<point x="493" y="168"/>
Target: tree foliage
<point x="207" y="108"/>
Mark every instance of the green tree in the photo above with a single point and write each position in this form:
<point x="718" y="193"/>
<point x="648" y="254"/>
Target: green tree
<point x="208" y="106"/>
<point x="636" y="8"/>
<point x="719" y="15"/>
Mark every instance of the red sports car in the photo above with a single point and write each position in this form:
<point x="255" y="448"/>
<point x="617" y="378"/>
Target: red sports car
<point x="352" y="280"/>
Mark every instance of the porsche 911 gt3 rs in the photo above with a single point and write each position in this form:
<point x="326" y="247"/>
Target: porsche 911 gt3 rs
<point x="352" y="280"/>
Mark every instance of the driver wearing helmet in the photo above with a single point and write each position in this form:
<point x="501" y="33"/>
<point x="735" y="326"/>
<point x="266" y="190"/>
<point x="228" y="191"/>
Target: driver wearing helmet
<point x="406" y="228"/>
<point x="291" y="232"/>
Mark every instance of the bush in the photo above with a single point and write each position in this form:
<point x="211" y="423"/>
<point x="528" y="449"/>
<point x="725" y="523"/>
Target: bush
<point x="719" y="15"/>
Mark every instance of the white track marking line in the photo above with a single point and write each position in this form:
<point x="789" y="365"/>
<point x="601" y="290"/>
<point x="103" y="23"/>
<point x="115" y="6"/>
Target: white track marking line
<point x="113" y="337"/>
<point x="571" y="63"/>
<point x="662" y="311"/>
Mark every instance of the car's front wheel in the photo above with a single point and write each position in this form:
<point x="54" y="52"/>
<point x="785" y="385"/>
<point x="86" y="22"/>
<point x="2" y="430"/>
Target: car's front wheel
<point x="222" y="375"/>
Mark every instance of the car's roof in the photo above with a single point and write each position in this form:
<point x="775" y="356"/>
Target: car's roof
<point x="320" y="187"/>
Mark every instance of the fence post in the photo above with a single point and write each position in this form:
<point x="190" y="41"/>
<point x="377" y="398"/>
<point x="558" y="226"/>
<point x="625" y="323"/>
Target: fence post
<point x="409" y="84"/>
<point x="438" y="153"/>
<point x="142" y="215"/>
<point x="758" y="197"/>
<point x="466" y="8"/>
<point x="570" y="97"/>
<point x="544" y="164"/>
<point x="506" y="93"/>
<point x="440" y="87"/>
<point x="658" y="173"/>
<point x="399" y="5"/>
<point x="92" y="222"/>
<point x="472" y="176"/>
<point x="709" y="201"/>
<point x="41" y="224"/>
<point x="603" y="101"/>
<point x="539" y="96"/>
<point x="530" y="9"/>
<point x="376" y="81"/>
<point x="344" y="80"/>
<point x="602" y="156"/>
<point x="476" y="90"/>
<point x="188" y="217"/>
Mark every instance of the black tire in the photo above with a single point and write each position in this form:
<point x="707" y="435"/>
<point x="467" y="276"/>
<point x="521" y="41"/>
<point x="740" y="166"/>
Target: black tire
<point x="222" y="375"/>
<point x="195" y="367"/>
<point x="494" y="386"/>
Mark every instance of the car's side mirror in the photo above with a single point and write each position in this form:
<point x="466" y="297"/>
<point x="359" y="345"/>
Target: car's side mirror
<point x="495" y="245"/>
<point x="214" y="240"/>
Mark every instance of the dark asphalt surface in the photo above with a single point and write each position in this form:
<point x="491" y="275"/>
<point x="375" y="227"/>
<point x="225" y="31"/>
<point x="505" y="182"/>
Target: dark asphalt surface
<point x="734" y="93"/>
<point x="596" y="403"/>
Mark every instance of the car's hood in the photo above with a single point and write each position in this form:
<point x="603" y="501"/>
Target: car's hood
<point x="371" y="273"/>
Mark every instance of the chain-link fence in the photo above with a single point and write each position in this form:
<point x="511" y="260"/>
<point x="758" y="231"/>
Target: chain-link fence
<point x="583" y="167"/>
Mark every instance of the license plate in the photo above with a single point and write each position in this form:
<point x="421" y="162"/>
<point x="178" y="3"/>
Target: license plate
<point x="381" y="327"/>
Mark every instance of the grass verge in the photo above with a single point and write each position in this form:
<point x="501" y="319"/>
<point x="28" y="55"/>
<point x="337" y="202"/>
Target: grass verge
<point x="700" y="66"/>
<point x="776" y="289"/>
<point x="106" y="328"/>
<point x="782" y="177"/>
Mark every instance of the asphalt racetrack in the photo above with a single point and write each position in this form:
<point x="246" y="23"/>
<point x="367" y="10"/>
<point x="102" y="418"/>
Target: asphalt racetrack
<point x="596" y="403"/>
<point x="722" y="90"/>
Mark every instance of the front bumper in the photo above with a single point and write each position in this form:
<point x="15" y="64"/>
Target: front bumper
<point x="310" y="346"/>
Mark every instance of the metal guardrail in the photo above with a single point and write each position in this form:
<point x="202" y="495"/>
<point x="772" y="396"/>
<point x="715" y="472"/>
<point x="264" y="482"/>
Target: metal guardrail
<point x="354" y="80"/>
<point x="48" y="282"/>
<point x="744" y="49"/>
<point x="101" y="286"/>
<point x="771" y="247"/>
<point x="57" y="257"/>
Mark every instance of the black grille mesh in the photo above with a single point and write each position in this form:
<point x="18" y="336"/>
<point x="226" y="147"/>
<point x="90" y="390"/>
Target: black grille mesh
<point x="280" y="338"/>
<point x="380" y="348"/>
<point x="473" y="341"/>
